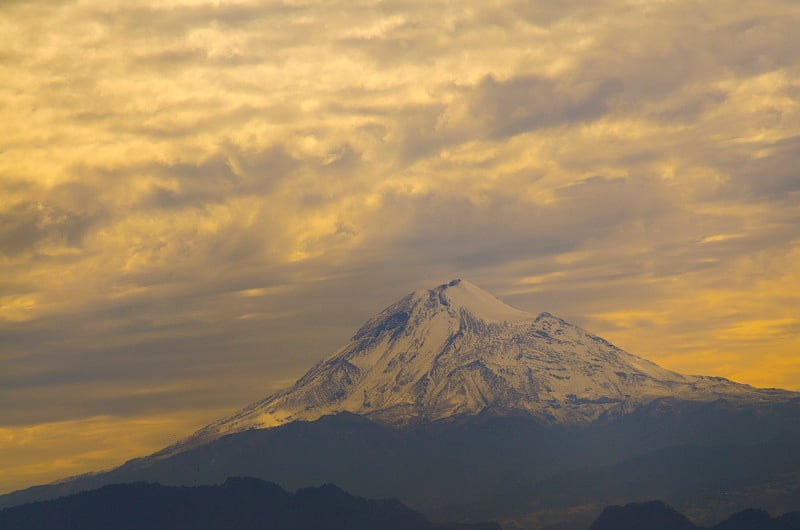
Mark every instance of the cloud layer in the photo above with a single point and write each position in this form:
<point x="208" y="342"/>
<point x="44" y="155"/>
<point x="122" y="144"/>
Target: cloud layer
<point x="200" y="199"/>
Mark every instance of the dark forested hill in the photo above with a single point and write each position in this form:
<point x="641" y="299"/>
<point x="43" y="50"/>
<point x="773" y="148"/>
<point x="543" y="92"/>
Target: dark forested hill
<point x="238" y="504"/>
<point x="655" y="515"/>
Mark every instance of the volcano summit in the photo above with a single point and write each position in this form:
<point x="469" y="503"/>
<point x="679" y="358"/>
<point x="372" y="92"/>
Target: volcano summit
<point x="464" y="407"/>
<point x="457" y="350"/>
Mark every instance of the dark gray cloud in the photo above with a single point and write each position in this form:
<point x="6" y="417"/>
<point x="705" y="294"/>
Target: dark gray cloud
<point x="20" y="229"/>
<point x="145" y="21"/>
<point x="145" y="355"/>
<point x="774" y="174"/>
<point x="527" y="103"/>
<point x="406" y="42"/>
<point x="689" y="108"/>
<point x="420" y="135"/>
<point x="498" y="109"/>
<point x="166" y="60"/>
<point x="756" y="44"/>
<point x="548" y="12"/>
<point x="229" y="172"/>
<point x="423" y="233"/>
<point x="25" y="227"/>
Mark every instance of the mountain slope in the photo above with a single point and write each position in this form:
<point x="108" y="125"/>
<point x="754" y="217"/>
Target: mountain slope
<point x="488" y="467"/>
<point x="704" y="482"/>
<point x="457" y="350"/>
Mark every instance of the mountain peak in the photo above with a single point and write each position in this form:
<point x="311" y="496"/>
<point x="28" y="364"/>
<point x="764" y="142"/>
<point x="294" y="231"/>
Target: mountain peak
<point x="457" y="350"/>
<point x="463" y="295"/>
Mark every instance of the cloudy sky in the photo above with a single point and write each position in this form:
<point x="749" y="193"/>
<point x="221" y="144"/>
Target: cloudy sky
<point x="200" y="199"/>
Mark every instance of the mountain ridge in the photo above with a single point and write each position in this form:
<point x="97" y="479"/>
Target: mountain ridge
<point x="656" y="515"/>
<point x="458" y="350"/>
<point x="467" y="468"/>
<point x="240" y="503"/>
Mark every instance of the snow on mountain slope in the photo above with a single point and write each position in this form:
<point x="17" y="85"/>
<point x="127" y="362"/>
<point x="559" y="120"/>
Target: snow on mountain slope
<point x="457" y="350"/>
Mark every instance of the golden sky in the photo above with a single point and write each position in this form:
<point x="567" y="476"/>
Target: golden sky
<point x="198" y="200"/>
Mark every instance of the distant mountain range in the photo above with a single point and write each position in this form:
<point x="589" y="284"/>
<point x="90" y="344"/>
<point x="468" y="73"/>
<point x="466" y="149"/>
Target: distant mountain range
<point x="468" y="409"/>
<point x="238" y="504"/>
<point x="656" y="515"/>
<point x="252" y="504"/>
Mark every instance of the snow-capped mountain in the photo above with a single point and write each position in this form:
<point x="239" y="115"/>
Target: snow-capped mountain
<point x="457" y="350"/>
<point x="457" y="403"/>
